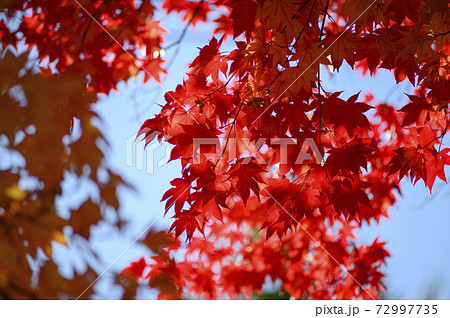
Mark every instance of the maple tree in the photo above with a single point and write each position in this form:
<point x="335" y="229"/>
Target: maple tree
<point x="246" y="215"/>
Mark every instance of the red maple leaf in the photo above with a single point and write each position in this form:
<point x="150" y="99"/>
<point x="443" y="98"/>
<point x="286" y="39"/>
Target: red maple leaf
<point x="178" y="195"/>
<point x="243" y="15"/>
<point x="417" y="110"/>
<point x="186" y="220"/>
<point x="135" y="269"/>
<point x="347" y="114"/>
<point x="245" y="177"/>
<point x="348" y="159"/>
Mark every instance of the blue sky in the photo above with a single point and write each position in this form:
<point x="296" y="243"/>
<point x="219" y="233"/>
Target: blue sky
<point x="417" y="232"/>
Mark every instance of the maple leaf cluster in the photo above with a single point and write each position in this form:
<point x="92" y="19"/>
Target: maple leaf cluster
<point x="249" y="210"/>
<point x="259" y="213"/>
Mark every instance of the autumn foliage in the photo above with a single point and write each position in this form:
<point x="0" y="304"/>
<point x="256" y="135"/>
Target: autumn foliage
<point x="240" y="218"/>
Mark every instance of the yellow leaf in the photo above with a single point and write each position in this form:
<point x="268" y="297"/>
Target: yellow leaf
<point x="48" y="250"/>
<point x="15" y="192"/>
<point x="59" y="238"/>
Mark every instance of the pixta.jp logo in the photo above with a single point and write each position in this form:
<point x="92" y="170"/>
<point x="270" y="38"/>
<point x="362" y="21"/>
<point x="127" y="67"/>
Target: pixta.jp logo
<point x="253" y="149"/>
<point x="146" y="158"/>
